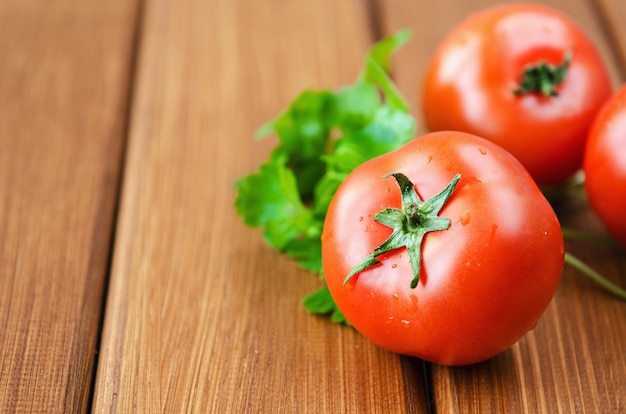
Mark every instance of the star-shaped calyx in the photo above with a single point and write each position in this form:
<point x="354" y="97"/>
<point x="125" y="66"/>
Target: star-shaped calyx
<point x="410" y="224"/>
<point x="543" y="78"/>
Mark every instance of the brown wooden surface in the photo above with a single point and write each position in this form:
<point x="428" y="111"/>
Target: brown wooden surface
<point x="65" y="71"/>
<point x="199" y="314"/>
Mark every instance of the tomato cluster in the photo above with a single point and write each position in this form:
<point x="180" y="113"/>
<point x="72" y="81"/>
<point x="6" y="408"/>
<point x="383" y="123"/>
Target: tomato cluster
<point x="529" y="78"/>
<point x="446" y="249"/>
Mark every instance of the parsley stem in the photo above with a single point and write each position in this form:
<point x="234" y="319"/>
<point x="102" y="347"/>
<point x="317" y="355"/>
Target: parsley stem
<point x="595" y="276"/>
<point x="572" y="188"/>
<point x="584" y="236"/>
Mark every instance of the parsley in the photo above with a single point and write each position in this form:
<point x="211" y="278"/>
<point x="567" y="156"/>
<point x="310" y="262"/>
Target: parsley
<point x="322" y="137"/>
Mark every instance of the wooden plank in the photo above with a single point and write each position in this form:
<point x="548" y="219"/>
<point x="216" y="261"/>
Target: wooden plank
<point x="202" y="316"/>
<point x="613" y="14"/>
<point x="64" y="76"/>
<point x="574" y="360"/>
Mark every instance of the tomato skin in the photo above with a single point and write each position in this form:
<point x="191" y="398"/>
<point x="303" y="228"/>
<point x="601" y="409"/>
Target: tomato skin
<point x="472" y="74"/>
<point x="484" y="282"/>
<point x="605" y="166"/>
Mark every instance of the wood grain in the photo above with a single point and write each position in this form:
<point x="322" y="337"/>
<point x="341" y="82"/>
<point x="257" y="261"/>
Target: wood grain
<point x="613" y="14"/>
<point x="574" y="361"/>
<point x="64" y="76"/>
<point x="202" y="316"/>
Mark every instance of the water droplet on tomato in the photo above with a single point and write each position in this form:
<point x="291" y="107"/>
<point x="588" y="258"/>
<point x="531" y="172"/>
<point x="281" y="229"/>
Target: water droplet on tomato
<point x="395" y="298"/>
<point x="465" y="218"/>
<point x="404" y="321"/>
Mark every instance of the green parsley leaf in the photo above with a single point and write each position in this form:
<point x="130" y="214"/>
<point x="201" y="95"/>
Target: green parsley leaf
<point x="378" y="63"/>
<point x="270" y="198"/>
<point x="356" y="106"/>
<point x="303" y="133"/>
<point x="322" y="303"/>
<point x="383" y="50"/>
<point x="307" y="251"/>
<point x="322" y="137"/>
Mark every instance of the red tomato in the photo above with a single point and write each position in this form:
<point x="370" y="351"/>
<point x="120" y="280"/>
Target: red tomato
<point x="484" y="282"/>
<point x="605" y="166"/>
<point x="474" y="72"/>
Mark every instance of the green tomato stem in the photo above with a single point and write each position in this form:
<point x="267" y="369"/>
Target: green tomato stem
<point x="410" y="224"/>
<point x="543" y="78"/>
<point x="595" y="276"/>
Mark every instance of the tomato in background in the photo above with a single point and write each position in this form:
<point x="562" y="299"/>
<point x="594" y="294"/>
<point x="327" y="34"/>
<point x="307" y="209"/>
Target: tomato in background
<point x="472" y="78"/>
<point x="483" y="282"/>
<point x="605" y="166"/>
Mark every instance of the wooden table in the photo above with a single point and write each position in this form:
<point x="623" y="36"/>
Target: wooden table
<point x="128" y="283"/>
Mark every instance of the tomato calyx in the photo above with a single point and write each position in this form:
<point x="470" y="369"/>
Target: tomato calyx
<point x="543" y="78"/>
<point x="410" y="224"/>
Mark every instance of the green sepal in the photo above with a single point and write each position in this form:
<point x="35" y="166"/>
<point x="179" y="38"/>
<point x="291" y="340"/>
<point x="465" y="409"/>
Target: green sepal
<point x="543" y="77"/>
<point x="410" y="225"/>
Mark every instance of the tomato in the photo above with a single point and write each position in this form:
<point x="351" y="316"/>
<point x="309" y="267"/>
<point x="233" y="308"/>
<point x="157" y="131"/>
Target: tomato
<point x="605" y="166"/>
<point x="483" y="282"/>
<point x="472" y="84"/>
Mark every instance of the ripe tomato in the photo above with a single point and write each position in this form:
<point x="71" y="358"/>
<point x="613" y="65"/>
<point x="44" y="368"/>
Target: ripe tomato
<point x="473" y="80"/>
<point x="483" y="283"/>
<point x="605" y="166"/>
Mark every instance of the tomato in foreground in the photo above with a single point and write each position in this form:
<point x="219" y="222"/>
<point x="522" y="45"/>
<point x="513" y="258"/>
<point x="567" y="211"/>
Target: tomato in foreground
<point x="605" y="166"/>
<point x="487" y="265"/>
<point x="523" y="76"/>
